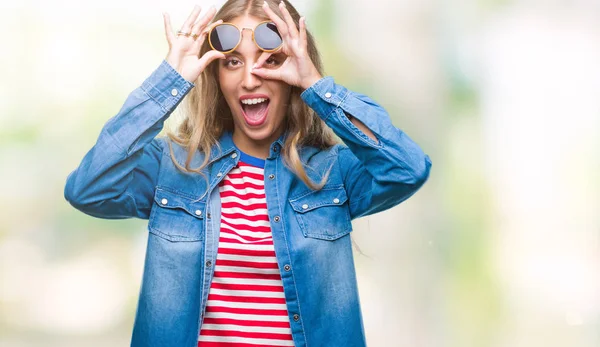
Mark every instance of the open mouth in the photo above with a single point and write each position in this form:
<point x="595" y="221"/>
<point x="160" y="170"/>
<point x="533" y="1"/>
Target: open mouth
<point x="255" y="110"/>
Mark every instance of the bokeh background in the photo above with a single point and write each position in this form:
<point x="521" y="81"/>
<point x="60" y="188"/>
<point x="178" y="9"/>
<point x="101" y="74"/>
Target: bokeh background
<point x="500" y="248"/>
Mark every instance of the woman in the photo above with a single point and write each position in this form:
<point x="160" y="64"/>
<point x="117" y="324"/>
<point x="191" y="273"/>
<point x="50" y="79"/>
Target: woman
<point x="250" y="203"/>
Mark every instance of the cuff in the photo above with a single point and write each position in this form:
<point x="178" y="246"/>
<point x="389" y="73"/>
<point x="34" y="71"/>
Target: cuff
<point x="166" y="86"/>
<point x="324" y="96"/>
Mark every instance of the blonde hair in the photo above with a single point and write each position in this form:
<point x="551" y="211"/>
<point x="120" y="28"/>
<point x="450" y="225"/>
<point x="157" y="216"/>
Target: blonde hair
<point x="207" y="115"/>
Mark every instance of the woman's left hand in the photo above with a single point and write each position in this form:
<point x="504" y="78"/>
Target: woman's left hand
<point x="298" y="69"/>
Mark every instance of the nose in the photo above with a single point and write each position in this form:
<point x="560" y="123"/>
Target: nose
<point x="250" y="80"/>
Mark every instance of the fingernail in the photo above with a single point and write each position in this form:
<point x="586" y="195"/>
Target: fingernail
<point x="254" y="66"/>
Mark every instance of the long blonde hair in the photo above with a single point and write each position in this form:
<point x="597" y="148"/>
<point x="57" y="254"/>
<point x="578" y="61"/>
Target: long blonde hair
<point x="207" y="115"/>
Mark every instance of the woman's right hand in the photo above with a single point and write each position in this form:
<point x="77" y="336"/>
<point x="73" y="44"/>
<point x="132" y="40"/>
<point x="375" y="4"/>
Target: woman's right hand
<point x="184" y="51"/>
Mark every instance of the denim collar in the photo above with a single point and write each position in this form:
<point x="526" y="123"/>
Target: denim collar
<point x="225" y="146"/>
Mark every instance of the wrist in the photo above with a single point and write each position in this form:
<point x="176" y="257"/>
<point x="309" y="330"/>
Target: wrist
<point x="307" y="82"/>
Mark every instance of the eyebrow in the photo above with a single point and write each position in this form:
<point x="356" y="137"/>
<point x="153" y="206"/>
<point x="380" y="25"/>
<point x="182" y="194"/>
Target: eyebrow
<point x="238" y="54"/>
<point x="234" y="53"/>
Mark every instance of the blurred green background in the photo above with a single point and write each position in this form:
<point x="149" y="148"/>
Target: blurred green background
<point x="500" y="248"/>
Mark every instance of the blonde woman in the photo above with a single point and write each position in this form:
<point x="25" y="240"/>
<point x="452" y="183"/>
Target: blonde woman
<point x="250" y="202"/>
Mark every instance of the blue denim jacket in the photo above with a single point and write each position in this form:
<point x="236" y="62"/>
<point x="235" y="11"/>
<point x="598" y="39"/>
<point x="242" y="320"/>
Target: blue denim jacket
<point x="129" y="173"/>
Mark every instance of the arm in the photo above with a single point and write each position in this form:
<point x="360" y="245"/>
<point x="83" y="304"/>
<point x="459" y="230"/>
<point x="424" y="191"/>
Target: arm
<point x="381" y="165"/>
<point x="118" y="175"/>
<point x="362" y="127"/>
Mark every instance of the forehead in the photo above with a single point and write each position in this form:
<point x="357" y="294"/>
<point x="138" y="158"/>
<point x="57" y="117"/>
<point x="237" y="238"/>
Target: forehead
<point x="246" y="21"/>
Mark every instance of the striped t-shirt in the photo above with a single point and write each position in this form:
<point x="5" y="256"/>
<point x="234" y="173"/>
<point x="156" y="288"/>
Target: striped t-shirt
<point x="246" y="305"/>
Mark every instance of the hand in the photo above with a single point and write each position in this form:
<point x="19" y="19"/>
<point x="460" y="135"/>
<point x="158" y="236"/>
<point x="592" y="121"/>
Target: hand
<point x="184" y="50"/>
<point x="298" y="69"/>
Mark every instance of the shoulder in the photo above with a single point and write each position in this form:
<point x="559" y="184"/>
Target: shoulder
<point x="310" y="154"/>
<point x="321" y="162"/>
<point x="336" y="154"/>
<point x="173" y="150"/>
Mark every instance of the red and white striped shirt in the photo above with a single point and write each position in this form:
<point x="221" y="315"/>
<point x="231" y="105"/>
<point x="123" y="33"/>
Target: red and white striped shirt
<point x="246" y="304"/>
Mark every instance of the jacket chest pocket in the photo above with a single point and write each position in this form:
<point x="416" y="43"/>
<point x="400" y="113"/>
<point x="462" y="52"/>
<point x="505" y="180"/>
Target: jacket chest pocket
<point x="176" y="217"/>
<point x="323" y="214"/>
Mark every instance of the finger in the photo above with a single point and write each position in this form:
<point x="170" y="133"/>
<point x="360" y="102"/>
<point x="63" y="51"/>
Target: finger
<point x="204" y="20"/>
<point x="292" y="29"/>
<point x="168" y="30"/>
<point x="267" y="74"/>
<point x="212" y="25"/>
<point x="281" y="26"/>
<point x="187" y="26"/>
<point x="261" y="60"/>
<point x="209" y="57"/>
<point x="303" y="39"/>
<point x="204" y="34"/>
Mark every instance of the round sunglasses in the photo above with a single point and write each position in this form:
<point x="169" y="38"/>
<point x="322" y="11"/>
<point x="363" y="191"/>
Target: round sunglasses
<point x="225" y="37"/>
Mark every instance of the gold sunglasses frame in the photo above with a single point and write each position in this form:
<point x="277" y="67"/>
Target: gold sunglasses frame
<point x="241" y="36"/>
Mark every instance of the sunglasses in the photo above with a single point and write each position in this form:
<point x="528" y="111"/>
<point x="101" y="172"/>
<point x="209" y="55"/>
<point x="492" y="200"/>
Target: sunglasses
<point x="225" y="37"/>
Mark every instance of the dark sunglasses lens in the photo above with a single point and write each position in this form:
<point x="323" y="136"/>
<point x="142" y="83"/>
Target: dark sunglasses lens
<point x="267" y="37"/>
<point x="224" y="37"/>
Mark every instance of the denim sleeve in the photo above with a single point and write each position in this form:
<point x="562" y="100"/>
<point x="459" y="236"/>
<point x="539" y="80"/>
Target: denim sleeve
<point x="118" y="175"/>
<point x="377" y="174"/>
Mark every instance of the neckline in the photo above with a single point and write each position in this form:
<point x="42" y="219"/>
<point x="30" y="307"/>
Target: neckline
<point x="248" y="159"/>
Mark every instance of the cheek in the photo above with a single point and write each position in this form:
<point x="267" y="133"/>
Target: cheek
<point x="282" y="90"/>
<point x="222" y="76"/>
<point x="227" y="86"/>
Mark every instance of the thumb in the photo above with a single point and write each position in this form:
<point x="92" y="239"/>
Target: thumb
<point x="209" y="57"/>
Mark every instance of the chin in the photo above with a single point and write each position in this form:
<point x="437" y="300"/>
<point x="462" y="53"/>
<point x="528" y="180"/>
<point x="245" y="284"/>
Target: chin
<point x="261" y="133"/>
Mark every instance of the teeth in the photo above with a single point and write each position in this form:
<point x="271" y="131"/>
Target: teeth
<point x="253" y="101"/>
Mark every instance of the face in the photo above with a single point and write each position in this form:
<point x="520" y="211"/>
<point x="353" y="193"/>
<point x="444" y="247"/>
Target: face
<point x="258" y="105"/>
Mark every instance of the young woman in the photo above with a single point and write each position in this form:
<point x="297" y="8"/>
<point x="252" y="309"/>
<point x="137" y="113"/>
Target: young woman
<point x="250" y="203"/>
